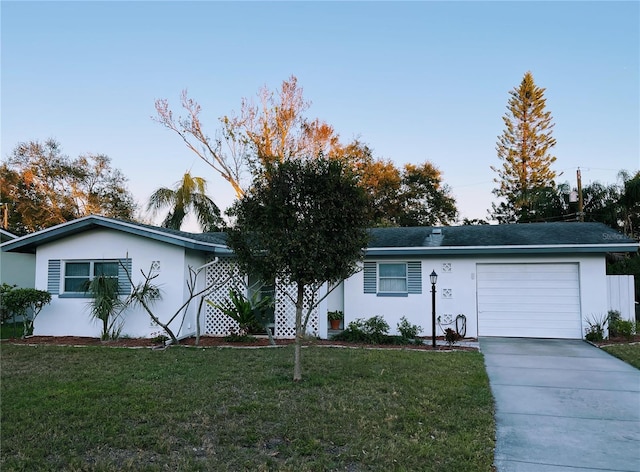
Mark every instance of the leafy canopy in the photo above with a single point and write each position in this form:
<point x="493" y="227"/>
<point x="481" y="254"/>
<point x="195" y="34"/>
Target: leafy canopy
<point x="303" y="221"/>
<point x="44" y="187"/>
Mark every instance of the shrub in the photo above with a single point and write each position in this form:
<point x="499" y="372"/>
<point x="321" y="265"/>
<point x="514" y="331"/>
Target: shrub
<point x="5" y="314"/>
<point x="21" y="301"/>
<point x="613" y="317"/>
<point x="451" y="336"/>
<point x="407" y="330"/>
<point x="624" y="328"/>
<point x="594" y="332"/>
<point x="249" y="313"/>
<point x="160" y="339"/>
<point x="106" y="305"/>
<point x="376" y="329"/>
<point x="371" y="331"/>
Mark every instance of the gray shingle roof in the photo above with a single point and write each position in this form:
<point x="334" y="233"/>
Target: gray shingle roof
<point x="530" y="234"/>
<point x="207" y="242"/>
<point x="494" y="239"/>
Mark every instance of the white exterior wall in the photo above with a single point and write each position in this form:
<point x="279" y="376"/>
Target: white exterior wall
<point x="17" y="269"/>
<point x="456" y="290"/>
<point x="70" y="316"/>
<point x="621" y="295"/>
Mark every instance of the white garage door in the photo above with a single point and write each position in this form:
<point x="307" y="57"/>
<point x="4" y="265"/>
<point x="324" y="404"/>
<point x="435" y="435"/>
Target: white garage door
<point x="529" y="300"/>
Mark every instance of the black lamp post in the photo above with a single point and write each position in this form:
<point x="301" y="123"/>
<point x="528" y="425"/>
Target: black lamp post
<point x="434" y="278"/>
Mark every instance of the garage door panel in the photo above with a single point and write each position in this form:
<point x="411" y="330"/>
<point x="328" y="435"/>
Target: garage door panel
<point x="534" y="332"/>
<point x="540" y="288"/>
<point x="528" y="317"/>
<point x="558" y="296"/>
<point x="559" y="312"/>
<point x="529" y="300"/>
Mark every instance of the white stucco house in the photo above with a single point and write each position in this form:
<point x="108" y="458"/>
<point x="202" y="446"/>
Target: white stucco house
<point x="527" y="280"/>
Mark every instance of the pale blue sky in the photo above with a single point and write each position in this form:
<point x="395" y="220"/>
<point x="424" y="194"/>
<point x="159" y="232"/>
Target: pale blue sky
<point x="415" y="80"/>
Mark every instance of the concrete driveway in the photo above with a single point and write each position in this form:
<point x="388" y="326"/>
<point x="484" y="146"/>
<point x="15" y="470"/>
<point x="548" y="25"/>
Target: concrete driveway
<point x="562" y="405"/>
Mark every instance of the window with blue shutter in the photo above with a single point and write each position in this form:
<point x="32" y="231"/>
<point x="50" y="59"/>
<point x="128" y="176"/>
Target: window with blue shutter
<point x="414" y="277"/>
<point x="393" y="279"/>
<point x="370" y="276"/>
<point x="53" y="277"/>
<point x="75" y="275"/>
<point x="124" y="284"/>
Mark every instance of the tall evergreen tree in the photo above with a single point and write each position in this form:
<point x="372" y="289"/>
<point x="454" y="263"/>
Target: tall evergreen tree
<point x="524" y="149"/>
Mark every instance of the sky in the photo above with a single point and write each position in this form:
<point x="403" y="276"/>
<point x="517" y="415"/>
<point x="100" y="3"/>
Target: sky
<point x="416" y="81"/>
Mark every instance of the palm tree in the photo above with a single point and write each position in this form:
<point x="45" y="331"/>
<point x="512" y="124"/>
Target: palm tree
<point x="187" y="195"/>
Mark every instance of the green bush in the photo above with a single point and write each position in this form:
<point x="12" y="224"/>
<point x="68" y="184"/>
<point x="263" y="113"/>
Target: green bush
<point x="407" y="330"/>
<point x="5" y="314"/>
<point x="594" y="332"/>
<point x="249" y="313"/>
<point x="619" y="327"/>
<point x="26" y="303"/>
<point x="371" y="331"/>
<point x="375" y="331"/>
<point x="613" y="317"/>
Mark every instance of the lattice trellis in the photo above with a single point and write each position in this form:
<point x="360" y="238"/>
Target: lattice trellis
<point x="286" y="312"/>
<point x="224" y="274"/>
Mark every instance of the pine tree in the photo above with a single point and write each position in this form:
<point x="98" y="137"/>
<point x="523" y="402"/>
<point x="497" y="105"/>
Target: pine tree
<point x="524" y="149"/>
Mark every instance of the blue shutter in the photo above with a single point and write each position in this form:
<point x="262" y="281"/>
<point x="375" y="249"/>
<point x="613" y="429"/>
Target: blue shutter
<point x="124" y="284"/>
<point x="414" y="276"/>
<point x="370" y="282"/>
<point x="53" y="277"/>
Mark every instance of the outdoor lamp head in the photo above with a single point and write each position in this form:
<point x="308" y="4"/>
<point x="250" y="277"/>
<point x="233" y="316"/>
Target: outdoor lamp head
<point x="433" y="277"/>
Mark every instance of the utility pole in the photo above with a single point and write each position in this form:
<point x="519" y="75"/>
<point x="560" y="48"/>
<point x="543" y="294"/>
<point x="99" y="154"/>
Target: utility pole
<point x="580" y="202"/>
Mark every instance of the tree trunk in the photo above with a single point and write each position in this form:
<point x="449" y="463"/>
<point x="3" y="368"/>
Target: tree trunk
<point x="166" y="328"/>
<point x="297" y="357"/>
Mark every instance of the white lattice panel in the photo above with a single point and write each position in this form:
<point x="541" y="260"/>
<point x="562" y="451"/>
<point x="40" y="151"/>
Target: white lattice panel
<point x="225" y="275"/>
<point x="286" y="312"/>
<point x="222" y="275"/>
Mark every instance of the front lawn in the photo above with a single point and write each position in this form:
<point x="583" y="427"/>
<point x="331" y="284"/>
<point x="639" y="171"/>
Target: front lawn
<point x="630" y="353"/>
<point x="99" y="408"/>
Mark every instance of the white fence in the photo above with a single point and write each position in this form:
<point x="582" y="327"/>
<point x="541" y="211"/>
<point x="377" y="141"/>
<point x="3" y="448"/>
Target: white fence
<point x="620" y="295"/>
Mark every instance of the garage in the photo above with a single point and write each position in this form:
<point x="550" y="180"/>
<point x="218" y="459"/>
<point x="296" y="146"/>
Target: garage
<point x="529" y="300"/>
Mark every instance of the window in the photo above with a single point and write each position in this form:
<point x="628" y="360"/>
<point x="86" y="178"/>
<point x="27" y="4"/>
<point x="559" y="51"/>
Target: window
<point x="78" y="275"/>
<point x="392" y="277"/>
<point x="70" y="278"/>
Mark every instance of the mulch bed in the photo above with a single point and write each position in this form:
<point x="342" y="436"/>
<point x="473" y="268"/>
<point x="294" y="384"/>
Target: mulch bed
<point x="212" y="341"/>
<point x="618" y="340"/>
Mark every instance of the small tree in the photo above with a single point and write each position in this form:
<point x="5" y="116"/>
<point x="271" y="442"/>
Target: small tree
<point x="106" y="305"/>
<point x="22" y="301"/>
<point x="302" y="222"/>
<point x="145" y="293"/>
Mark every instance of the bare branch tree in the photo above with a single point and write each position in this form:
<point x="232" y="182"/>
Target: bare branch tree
<point x="189" y="128"/>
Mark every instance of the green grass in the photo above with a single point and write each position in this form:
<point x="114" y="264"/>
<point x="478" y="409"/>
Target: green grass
<point x="630" y="353"/>
<point x="222" y="409"/>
